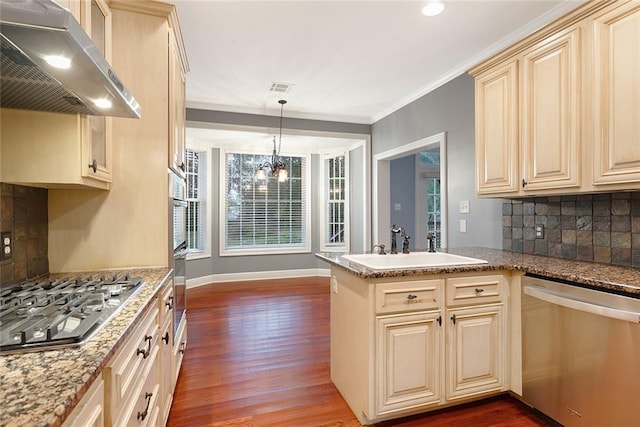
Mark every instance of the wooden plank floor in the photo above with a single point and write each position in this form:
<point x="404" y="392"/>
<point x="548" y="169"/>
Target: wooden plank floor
<point x="258" y="355"/>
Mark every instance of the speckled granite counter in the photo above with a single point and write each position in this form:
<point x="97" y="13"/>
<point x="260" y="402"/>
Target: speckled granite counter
<point x="625" y="280"/>
<point x="42" y="388"/>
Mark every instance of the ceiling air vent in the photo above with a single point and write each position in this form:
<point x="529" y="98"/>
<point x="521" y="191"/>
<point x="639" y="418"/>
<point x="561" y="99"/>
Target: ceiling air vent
<point x="280" y="87"/>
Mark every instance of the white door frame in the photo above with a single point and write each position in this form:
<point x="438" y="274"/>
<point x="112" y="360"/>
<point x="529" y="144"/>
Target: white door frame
<point x="381" y="197"/>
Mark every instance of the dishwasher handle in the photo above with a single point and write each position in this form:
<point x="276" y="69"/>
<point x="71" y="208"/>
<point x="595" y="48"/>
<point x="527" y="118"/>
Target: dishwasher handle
<point x="577" y="304"/>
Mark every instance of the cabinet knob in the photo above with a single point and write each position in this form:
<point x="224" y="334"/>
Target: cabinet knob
<point x="93" y="165"/>
<point x="524" y="183"/>
<point x="439" y="320"/>
<point x="453" y="319"/>
<point x="183" y="167"/>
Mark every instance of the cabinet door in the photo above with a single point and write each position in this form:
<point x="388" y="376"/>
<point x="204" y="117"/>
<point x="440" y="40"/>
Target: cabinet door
<point x="551" y="112"/>
<point x="616" y="115"/>
<point x="496" y="105"/>
<point x="476" y="351"/>
<point x="409" y="361"/>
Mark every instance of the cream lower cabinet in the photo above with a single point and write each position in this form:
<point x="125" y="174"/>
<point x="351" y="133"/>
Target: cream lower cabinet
<point x="409" y="355"/>
<point x="409" y="345"/>
<point x="475" y="351"/>
<point x="90" y="411"/>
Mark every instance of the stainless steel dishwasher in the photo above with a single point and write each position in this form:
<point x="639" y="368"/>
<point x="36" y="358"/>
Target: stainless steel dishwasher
<point x="581" y="354"/>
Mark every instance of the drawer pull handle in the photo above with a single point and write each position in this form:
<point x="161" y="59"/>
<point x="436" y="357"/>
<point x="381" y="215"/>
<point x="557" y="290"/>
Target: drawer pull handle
<point x="182" y="345"/>
<point x="411" y="297"/>
<point x="145" y="353"/>
<point x="439" y="320"/>
<point x="143" y="415"/>
<point x="479" y="291"/>
<point x="169" y="303"/>
<point x="453" y="319"/>
<point x="165" y="338"/>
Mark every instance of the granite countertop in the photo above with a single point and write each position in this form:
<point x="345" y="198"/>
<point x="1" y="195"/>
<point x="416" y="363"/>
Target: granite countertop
<point x="623" y="280"/>
<point x="42" y="388"/>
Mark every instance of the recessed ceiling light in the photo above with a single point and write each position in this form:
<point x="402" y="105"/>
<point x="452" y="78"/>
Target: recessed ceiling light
<point x="433" y="8"/>
<point x="58" y="61"/>
<point x="102" y="103"/>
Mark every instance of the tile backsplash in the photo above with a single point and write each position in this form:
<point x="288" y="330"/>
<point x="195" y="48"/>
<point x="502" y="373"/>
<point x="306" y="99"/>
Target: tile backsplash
<point x="24" y="213"/>
<point x="595" y="227"/>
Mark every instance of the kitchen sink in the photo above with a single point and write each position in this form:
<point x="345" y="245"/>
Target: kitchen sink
<point x="411" y="260"/>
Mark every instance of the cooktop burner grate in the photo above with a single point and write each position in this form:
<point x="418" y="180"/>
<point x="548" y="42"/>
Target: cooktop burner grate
<point x="38" y="315"/>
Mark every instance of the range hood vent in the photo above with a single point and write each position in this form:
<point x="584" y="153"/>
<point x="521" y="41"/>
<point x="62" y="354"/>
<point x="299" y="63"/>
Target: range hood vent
<point x="31" y="31"/>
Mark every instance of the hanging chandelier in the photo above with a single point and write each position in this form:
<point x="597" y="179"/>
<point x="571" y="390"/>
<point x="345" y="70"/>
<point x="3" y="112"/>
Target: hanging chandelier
<point x="276" y="166"/>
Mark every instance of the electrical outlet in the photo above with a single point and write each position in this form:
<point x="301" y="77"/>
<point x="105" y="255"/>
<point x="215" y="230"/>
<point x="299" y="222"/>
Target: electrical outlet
<point x="539" y="231"/>
<point x="7" y="245"/>
<point x="334" y="284"/>
<point x="464" y="206"/>
<point x="463" y="225"/>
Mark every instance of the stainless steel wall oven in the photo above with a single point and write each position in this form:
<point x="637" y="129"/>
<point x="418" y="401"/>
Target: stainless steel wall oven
<point x="178" y="246"/>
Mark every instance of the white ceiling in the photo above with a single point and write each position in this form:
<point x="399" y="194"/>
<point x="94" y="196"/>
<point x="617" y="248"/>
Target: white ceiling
<point x="352" y="61"/>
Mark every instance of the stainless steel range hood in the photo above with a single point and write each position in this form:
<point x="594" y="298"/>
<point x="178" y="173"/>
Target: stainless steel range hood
<point x="33" y="33"/>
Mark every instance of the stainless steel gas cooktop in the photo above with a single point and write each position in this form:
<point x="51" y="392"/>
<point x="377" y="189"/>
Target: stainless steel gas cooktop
<point x="39" y="315"/>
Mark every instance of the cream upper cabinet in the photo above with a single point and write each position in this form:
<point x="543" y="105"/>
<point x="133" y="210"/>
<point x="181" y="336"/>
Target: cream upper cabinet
<point x="528" y="119"/>
<point x="616" y="97"/>
<point x="177" y="111"/>
<point x="576" y="115"/>
<point x="551" y="112"/>
<point x="56" y="150"/>
<point x="497" y="148"/>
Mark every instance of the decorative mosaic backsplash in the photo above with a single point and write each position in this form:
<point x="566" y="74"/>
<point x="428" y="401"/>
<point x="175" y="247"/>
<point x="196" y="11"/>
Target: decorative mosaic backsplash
<point x="595" y="227"/>
<point x="24" y="213"/>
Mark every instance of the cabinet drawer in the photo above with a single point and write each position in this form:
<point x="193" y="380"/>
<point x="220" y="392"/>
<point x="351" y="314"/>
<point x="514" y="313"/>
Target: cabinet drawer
<point x="142" y="408"/>
<point x="166" y="302"/>
<point x="179" y="347"/>
<point x="474" y="290"/>
<point x="90" y="411"/>
<point x="409" y="296"/>
<point x="125" y="370"/>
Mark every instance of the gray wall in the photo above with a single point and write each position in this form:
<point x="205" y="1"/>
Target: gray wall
<point x="449" y="109"/>
<point x="403" y="191"/>
<point x="261" y="263"/>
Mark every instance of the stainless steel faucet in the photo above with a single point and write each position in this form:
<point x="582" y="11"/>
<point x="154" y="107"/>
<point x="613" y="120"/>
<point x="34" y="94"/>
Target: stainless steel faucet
<point x="405" y="242"/>
<point x="431" y="242"/>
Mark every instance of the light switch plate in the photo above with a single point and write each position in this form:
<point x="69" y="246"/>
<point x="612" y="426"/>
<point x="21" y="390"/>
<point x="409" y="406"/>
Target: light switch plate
<point x="397" y="207"/>
<point x="463" y="225"/>
<point x="464" y="206"/>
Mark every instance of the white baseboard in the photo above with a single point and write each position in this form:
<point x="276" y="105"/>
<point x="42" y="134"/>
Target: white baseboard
<point x="257" y="275"/>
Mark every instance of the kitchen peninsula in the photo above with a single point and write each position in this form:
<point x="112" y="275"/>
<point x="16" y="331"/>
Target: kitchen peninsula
<point x="406" y="341"/>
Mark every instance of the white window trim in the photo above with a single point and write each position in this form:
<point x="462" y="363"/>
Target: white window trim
<point x="206" y="253"/>
<point x="324" y="247"/>
<point x="224" y="252"/>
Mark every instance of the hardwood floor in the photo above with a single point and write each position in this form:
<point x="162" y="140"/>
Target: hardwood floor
<point x="258" y="355"/>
